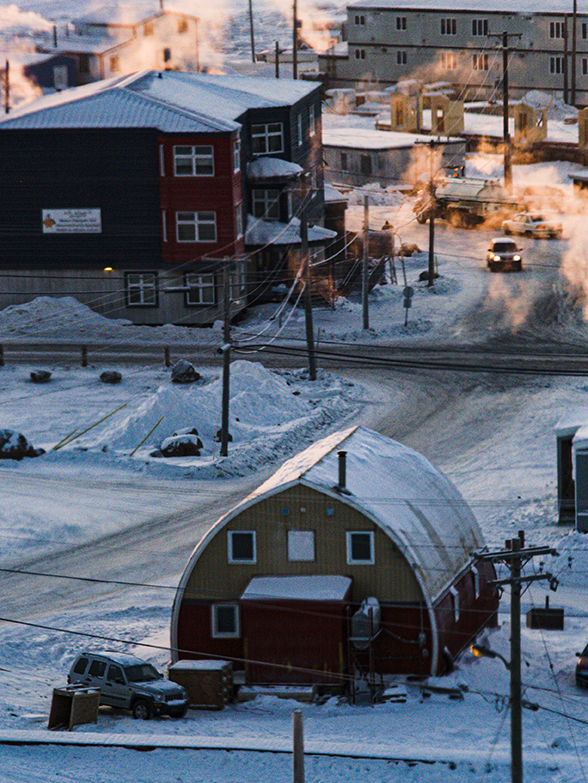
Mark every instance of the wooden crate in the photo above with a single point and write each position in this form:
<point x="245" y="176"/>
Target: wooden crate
<point x="209" y="683"/>
<point x="72" y="706"/>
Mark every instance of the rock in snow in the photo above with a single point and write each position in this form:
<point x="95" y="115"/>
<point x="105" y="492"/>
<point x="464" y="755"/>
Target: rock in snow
<point x="14" y="445"/>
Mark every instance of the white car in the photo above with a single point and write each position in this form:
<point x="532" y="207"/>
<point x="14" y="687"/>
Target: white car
<point x="532" y="224"/>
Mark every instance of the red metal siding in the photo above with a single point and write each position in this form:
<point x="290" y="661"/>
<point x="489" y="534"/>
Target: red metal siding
<point x="305" y="640"/>
<point x="195" y="638"/>
<point x="219" y="193"/>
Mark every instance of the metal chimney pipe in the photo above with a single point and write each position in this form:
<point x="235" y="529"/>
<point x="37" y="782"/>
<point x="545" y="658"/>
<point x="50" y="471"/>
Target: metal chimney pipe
<point x="342" y="469"/>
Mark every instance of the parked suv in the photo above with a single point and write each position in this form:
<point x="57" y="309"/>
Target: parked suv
<point x="130" y="683"/>
<point x="503" y="255"/>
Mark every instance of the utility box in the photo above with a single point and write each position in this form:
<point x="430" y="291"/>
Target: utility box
<point x="548" y="618"/>
<point x="72" y="706"/>
<point x="209" y="683"/>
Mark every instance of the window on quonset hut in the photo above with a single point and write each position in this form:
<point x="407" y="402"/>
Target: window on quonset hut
<point x="360" y="547"/>
<point x="242" y="546"/>
<point x="225" y="621"/>
<point x="267" y="138"/>
<point x="301" y="545"/>
<point x="141" y="289"/>
<point x="196" y="226"/>
<point x="194" y="160"/>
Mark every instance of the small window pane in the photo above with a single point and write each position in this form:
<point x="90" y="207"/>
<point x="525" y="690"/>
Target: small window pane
<point x="301" y="545"/>
<point x="360" y="547"/>
<point x="242" y="547"/>
<point x="225" y="620"/>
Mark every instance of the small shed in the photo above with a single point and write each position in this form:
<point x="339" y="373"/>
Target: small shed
<point x="572" y="468"/>
<point x="275" y="584"/>
<point x="447" y="116"/>
<point x="406" y="112"/>
<point x="530" y="124"/>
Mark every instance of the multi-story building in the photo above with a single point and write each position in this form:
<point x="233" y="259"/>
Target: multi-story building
<point x="134" y="194"/>
<point x="460" y="42"/>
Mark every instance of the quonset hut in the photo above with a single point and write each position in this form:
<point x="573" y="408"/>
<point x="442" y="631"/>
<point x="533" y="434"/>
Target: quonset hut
<point x="357" y="526"/>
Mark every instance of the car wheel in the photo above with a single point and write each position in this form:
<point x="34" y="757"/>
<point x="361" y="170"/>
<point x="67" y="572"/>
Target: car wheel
<point x="528" y="234"/>
<point x="507" y="231"/>
<point x="519" y="267"/>
<point x="142" y="709"/>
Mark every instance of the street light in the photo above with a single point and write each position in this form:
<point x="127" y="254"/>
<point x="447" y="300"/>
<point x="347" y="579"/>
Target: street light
<point x="485" y="652"/>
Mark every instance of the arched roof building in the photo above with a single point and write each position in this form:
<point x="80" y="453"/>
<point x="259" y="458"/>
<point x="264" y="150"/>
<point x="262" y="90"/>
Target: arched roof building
<point x="275" y="582"/>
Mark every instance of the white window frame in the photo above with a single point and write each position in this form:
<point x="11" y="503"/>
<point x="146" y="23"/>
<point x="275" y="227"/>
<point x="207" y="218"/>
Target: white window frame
<point x="448" y="25"/>
<point x="164" y="225"/>
<point x="239" y="220"/>
<point x="237" y="154"/>
<point x="216" y="634"/>
<point x="401" y="23"/>
<point x="349" y="539"/>
<point x="359" y="19"/>
<point x="201" y="288"/>
<point x="312" y="120"/>
<point x="480" y="28"/>
<point x="556" y="30"/>
<point x="476" y="580"/>
<point x="455" y="601"/>
<point x="556" y="65"/>
<point x="198" y="221"/>
<point x="449" y="61"/>
<point x="480" y="62"/>
<point x="401" y="58"/>
<point x="161" y="160"/>
<point x="196" y="155"/>
<point x="301" y="546"/>
<point x="299" y="130"/>
<point x="266" y="134"/>
<point x="146" y="284"/>
<point x="265" y="203"/>
<point x="230" y="535"/>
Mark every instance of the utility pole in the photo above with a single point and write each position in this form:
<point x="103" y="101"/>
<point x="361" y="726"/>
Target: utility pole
<point x="277" y="59"/>
<point x="295" y="39"/>
<point x="565" y="59"/>
<point x="431" y="279"/>
<point x="297" y="747"/>
<point x="306" y="277"/>
<point x="365" y="262"/>
<point x="251" y="31"/>
<point x="504" y="36"/>
<point x="514" y="556"/>
<point x="574" y="32"/>
<point x="7" y="87"/>
<point x="226" y="351"/>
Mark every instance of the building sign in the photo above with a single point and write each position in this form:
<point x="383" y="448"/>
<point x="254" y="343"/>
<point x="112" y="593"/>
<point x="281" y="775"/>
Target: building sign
<point x="72" y="221"/>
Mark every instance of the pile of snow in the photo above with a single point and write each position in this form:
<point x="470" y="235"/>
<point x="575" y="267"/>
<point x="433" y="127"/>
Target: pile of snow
<point x="556" y="108"/>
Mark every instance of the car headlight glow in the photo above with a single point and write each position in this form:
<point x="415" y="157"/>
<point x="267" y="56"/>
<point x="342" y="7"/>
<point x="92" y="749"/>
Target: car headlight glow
<point x="516" y="258"/>
<point x="496" y="258"/>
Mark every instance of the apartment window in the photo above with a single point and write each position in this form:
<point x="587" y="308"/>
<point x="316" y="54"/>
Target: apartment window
<point x="584" y="66"/>
<point x="401" y="22"/>
<point x="584" y="30"/>
<point x="556" y="29"/>
<point x="84" y="62"/>
<point x="344" y="163"/>
<point x="194" y="161"/>
<point x="166" y="55"/>
<point x="164" y="225"/>
<point x="201" y="289"/>
<point x="301" y="545"/>
<point x="401" y="58"/>
<point x="237" y="153"/>
<point x="312" y="120"/>
<point x="182" y="25"/>
<point x="479" y="27"/>
<point x="161" y="161"/>
<point x="238" y="282"/>
<point x="239" y="220"/>
<point x="266" y="204"/>
<point x="141" y="289"/>
<point x="480" y="62"/>
<point x="454" y="603"/>
<point x="476" y="581"/>
<point x="299" y="129"/>
<point x="196" y="226"/>
<point x="449" y="61"/>
<point x="360" y="54"/>
<point x="242" y="546"/>
<point x="114" y="64"/>
<point x="267" y="138"/>
<point x="225" y="621"/>
<point x="359" y="19"/>
<point x="366" y="165"/>
<point x="148" y="28"/>
<point x="360" y="548"/>
<point x="556" y="65"/>
<point x="448" y="26"/>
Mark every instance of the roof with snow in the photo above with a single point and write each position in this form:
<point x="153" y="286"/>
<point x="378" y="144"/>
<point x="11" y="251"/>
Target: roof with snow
<point x="395" y="487"/>
<point x="272" y="232"/>
<point x="298" y="588"/>
<point x="498" y="6"/>
<point x="122" y="13"/>
<point x="170" y="101"/>
<point x="366" y="138"/>
<point x="272" y="168"/>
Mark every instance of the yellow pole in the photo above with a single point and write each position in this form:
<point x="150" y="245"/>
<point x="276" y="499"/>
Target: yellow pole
<point x="146" y="436"/>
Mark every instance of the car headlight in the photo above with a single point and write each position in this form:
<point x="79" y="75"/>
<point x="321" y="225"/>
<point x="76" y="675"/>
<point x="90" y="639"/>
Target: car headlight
<point x="496" y="258"/>
<point x="516" y="258"/>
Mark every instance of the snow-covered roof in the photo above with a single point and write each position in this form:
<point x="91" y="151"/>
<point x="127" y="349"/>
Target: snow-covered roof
<point x="332" y="194"/>
<point x="201" y="666"/>
<point x="572" y="421"/>
<point x="365" y="138"/>
<point x="400" y="490"/>
<point x="299" y="588"/>
<point x="123" y="659"/>
<point x="498" y="6"/>
<point x="272" y="232"/>
<point x="150" y="99"/>
<point x="272" y="168"/>
<point x="120" y="13"/>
